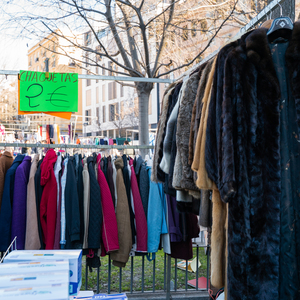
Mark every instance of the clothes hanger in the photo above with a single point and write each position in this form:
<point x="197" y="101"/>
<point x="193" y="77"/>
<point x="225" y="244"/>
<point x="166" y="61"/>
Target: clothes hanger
<point x="281" y="23"/>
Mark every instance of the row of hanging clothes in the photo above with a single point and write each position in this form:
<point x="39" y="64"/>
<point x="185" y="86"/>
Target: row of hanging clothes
<point x="103" y="205"/>
<point x="228" y="137"/>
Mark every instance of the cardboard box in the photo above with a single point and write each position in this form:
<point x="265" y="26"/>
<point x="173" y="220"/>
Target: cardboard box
<point x="74" y="257"/>
<point x="33" y="279"/>
<point x="46" y="292"/>
<point x="34" y="267"/>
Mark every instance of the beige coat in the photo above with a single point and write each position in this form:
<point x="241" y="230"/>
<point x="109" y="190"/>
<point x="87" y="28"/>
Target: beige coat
<point x="203" y="182"/>
<point x="6" y="161"/>
<point x="121" y="256"/>
<point x="32" y="240"/>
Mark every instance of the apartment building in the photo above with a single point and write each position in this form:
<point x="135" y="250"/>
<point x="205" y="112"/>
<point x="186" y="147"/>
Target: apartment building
<point x="110" y="108"/>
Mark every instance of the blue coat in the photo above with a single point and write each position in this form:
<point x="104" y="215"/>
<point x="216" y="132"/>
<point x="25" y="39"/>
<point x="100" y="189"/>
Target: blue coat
<point x="7" y="200"/>
<point x="156" y="219"/>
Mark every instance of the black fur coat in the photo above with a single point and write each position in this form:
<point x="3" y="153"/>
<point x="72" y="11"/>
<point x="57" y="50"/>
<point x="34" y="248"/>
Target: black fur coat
<point x="243" y="158"/>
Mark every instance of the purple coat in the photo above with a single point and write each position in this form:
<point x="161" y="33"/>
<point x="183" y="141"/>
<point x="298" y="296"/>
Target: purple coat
<point x="18" y="224"/>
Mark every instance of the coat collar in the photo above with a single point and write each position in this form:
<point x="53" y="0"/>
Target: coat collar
<point x="258" y="50"/>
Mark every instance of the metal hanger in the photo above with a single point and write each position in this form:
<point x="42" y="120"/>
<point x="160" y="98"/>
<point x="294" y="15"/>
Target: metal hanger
<point x="281" y="23"/>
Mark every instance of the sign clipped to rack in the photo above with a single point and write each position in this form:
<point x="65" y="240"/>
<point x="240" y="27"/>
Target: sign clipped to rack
<point x="48" y="92"/>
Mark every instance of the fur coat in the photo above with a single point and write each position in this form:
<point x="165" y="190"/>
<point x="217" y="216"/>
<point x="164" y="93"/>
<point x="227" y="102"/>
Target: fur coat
<point x="183" y="176"/>
<point x="203" y="182"/>
<point x="243" y="159"/>
<point x="171" y="127"/>
<point x="160" y="131"/>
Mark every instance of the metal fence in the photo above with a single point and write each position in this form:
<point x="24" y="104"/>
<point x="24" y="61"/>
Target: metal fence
<point x="159" y="278"/>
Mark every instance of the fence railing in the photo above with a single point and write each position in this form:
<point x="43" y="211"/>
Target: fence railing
<point x="158" y="278"/>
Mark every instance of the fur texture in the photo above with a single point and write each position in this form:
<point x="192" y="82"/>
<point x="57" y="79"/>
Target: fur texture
<point x="243" y="158"/>
<point x="218" y="241"/>
<point x="183" y="176"/>
<point x="160" y="130"/>
<point x="203" y="182"/>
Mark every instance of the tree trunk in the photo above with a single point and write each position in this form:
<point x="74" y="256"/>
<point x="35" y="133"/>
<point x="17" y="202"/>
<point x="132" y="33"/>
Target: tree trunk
<point x="288" y="10"/>
<point x="143" y="91"/>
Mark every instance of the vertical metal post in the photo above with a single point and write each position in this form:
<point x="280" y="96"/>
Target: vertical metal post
<point x="143" y="272"/>
<point x="165" y="270"/>
<point x="157" y="103"/>
<point x="186" y="273"/>
<point x="197" y="266"/>
<point x="86" y="276"/>
<point x="131" y="276"/>
<point x="168" y="297"/>
<point x="109" y="274"/>
<point x="175" y="285"/>
<point x="120" y="280"/>
<point x="153" y="273"/>
<point x="207" y="270"/>
<point x="98" y="269"/>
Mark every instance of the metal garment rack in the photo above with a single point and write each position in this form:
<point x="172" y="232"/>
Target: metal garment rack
<point x="75" y="146"/>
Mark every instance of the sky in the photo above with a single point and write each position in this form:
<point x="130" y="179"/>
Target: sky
<point x="13" y="53"/>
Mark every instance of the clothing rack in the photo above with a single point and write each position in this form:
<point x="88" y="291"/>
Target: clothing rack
<point x="254" y="22"/>
<point x="74" y="146"/>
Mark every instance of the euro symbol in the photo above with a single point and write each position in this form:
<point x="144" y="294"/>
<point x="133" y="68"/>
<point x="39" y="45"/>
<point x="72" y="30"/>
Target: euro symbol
<point x="29" y="98"/>
<point x="57" y="100"/>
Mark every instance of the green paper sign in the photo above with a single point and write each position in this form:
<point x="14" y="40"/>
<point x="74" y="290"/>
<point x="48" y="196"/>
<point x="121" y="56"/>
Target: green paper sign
<point x="57" y="93"/>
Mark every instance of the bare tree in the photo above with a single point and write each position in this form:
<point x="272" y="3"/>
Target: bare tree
<point x="141" y="38"/>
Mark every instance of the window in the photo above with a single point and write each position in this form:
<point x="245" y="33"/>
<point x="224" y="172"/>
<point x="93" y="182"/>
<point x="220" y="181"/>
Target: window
<point x="112" y="90"/>
<point x="121" y="90"/>
<point x="185" y="33"/>
<point x="103" y="70"/>
<point x="88" y="81"/>
<point x="101" y="34"/>
<point x="87" y="38"/>
<point x="87" y="114"/>
<point x="194" y="29"/>
<point x="103" y="93"/>
<point x="113" y="112"/>
<point x="97" y="72"/>
<point x="30" y="61"/>
<point x="97" y="94"/>
<point x="98" y="115"/>
<point x="110" y="73"/>
<point x="103" y="114"/>
<point x="88" y="98"/>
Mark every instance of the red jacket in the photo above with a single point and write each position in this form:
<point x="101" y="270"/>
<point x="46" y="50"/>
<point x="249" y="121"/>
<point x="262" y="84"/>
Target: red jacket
<point x="110" y="227"/>
<point x="48" y="206"/>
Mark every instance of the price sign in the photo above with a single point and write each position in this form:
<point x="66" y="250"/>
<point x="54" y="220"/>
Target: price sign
<point x="57" y="92"/>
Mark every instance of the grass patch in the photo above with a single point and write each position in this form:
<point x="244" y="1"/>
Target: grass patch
<point x="138" y="275"/>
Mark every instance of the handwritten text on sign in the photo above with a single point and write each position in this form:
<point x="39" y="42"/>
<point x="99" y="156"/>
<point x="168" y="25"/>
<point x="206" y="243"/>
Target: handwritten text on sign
<point x="58" y="92"/>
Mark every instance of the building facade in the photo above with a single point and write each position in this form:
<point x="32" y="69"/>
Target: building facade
<point x="56" y="50"/>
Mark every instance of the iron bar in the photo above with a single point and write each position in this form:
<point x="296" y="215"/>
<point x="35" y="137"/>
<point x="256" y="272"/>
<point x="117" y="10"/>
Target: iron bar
<point x="86" y="275"/>
<point x="168" y="296"/>
<point x="197" y="266"/>
<point x="175" y="285"/>
<point x="131" y="276"/>
<point x="153" y="278"/>
<point x="207" y="269"/>
<point x="73" y="146"/>
<point x="102" y="77"/>
<point x="186" y="273"/>
<point x="109" y="274"/>
<point x="165" y="270"/>
<point x="98" y="270"/>
<point x="120" y="280"/>
<point x="143" y="272"/>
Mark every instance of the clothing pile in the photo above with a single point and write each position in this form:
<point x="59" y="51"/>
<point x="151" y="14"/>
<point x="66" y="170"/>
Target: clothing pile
<point x="228" y="136"/>
<point x="103" y="205"/>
